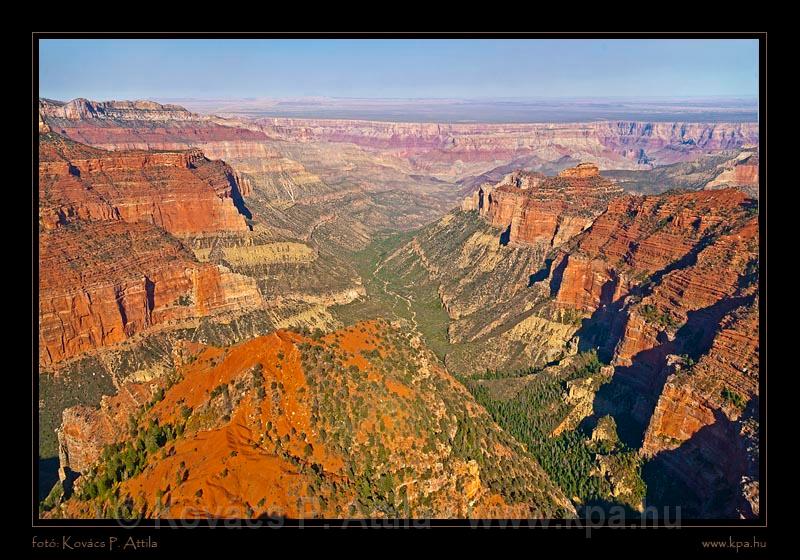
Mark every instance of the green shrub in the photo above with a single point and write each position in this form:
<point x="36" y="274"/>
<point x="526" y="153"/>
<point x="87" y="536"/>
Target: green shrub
<point x="734" y="398"/>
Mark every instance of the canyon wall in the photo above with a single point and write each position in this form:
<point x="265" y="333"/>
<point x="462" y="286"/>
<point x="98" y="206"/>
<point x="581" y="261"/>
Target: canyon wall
<point x="548" y="210"/>
<point x="145" y="125"/>
<point x="101" y="283"/>
<point x="637" y="238"/>
<point x="183" y="192"/>
<point x="669" y="289"/>
<point x="616" y="145"/>
<point x="665" y="288"/>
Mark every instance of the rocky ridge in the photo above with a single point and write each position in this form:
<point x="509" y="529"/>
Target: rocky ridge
<point x="259" y="430"/>
<point x="665" y="287"/>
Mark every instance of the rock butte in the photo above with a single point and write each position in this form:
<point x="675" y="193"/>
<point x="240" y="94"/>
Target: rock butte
<point x="544" y="210"/>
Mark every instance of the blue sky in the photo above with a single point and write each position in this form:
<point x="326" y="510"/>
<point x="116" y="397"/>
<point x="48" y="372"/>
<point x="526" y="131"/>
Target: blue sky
<point x="145" y="68"/>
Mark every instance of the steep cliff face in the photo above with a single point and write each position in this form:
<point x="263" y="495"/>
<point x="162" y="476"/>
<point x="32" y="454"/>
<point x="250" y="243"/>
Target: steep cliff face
<point x="724" y="380"/>
<point x="189" y="196"/>
<point x="669" y="288"/>
<point x="639" y="238"/>
<point x="704" y="429"/>
<point x="101" y="283"/>
<point x="183" y="192"/>
<point x="261" y="429"/>
<point x="548" y="210"/>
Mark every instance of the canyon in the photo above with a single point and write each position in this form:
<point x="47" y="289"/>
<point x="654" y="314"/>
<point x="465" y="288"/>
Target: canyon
<point x="661" y="286"/>
<point x="250" y="285"/>
<point x="453" y="150"/>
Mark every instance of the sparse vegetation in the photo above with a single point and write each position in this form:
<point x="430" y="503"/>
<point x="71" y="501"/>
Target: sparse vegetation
<point x="655" y="316"/>
<point x="221" y="389"/>
<point x="122" y="461"/>
<point x="733" y="398"/>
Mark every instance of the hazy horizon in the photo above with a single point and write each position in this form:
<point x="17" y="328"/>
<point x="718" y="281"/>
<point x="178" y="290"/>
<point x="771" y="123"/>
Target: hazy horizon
<point x="397" y="68"/>
<point x="477" y="110"/>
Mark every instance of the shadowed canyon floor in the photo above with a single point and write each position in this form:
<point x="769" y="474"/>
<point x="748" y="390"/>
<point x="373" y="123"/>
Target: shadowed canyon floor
<point x="250" y="317"/>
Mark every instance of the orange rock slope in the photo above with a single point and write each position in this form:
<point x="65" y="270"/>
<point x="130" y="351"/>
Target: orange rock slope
<point x="358" y="423"/>
<point x="183" y="192"/>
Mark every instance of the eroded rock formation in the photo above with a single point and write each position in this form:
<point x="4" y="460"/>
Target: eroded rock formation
<point x="102" y="282"/>
<point x="183" y="192"/>
<point x="664" y="287"/>
<point x="548" y="210"/>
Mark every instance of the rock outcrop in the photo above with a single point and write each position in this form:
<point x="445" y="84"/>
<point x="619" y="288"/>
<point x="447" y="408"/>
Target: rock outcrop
<point x="183" y="192"/>
<point x="723" y="380"/>
<point x="101" y="283"/>
<point x="641" y="238"/>
<point x="581" y="171"/>
<point x="741" y="172"/>
<point x="540" y="210"/>
<point x="85" y="431"/>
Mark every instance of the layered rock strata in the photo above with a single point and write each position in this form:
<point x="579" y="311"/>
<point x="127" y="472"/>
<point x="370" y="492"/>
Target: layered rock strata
<point x="183" y="192"/>
<point x="101" y="283"/>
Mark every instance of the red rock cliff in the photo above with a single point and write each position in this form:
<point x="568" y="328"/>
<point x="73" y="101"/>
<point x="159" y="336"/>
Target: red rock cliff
<point x="102" y="282"/>
<point x="693" y="394"/>
<point x="671" y="283"/>
<point x="638" y="237"/>
<point x="183" y="192"/>
<point x="547" y="210"/>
